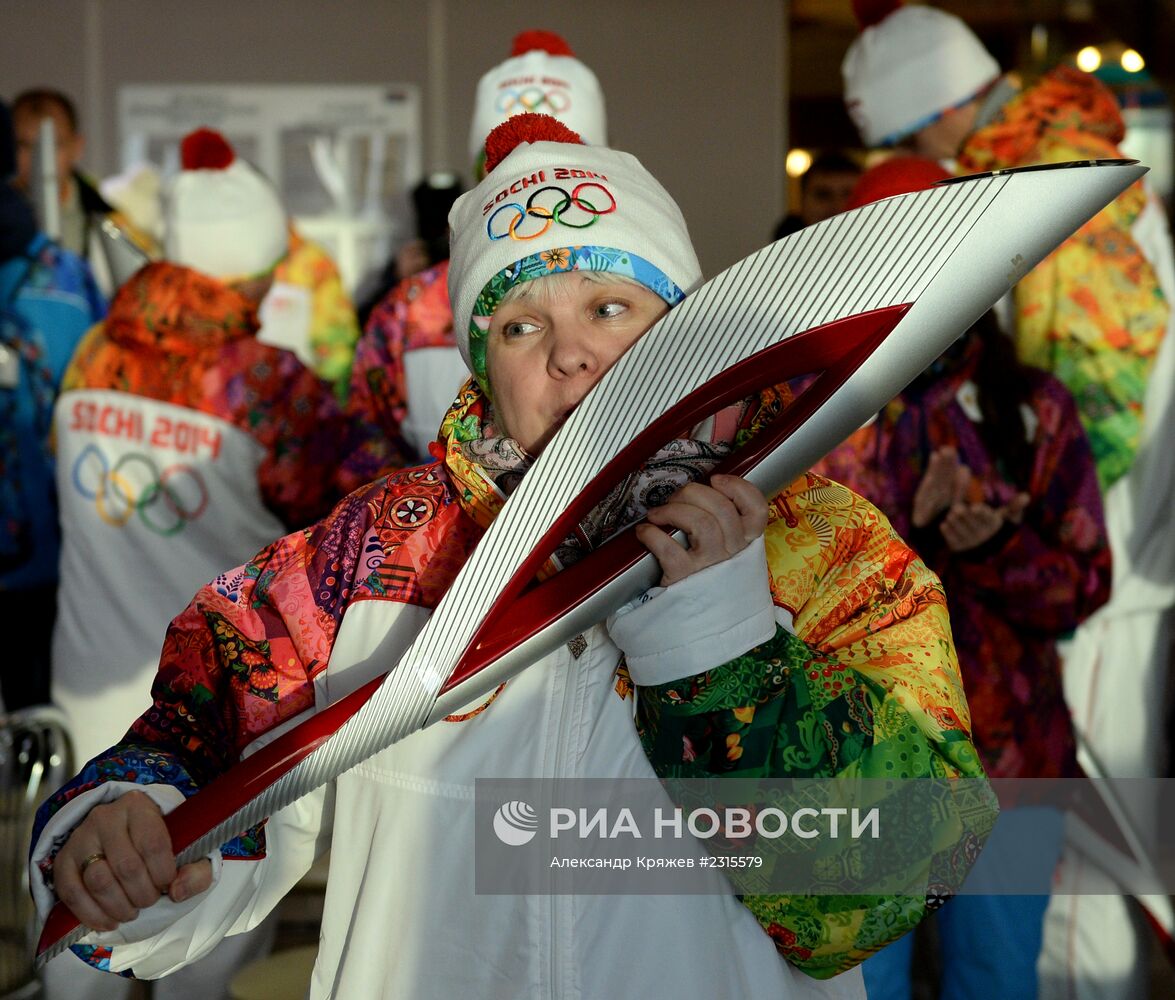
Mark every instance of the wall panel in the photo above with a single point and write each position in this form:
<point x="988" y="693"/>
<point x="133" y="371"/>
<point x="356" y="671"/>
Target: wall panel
<point x="694" y="89"/>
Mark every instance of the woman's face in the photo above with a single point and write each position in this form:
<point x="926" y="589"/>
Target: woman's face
<point x="554" y="339"/>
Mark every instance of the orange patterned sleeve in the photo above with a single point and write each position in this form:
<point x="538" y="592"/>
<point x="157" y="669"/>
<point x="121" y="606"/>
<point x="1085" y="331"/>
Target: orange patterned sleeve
<point x="856" y="591"/>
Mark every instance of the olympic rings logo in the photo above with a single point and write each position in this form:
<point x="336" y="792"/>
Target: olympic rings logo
<point x="572" y="210"/>
<point x="166" y="501"/>
<point x="533" y="98"/>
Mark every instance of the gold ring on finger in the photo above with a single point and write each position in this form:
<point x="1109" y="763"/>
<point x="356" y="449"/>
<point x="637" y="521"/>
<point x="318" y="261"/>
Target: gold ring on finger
<point x="95" y="857"/>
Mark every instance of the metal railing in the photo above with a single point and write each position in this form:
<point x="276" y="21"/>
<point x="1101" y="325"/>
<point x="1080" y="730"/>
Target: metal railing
<point x="36" y="758"/>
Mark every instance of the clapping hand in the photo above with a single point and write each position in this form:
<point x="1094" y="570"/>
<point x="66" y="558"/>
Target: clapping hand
<point x="965" y="525"/>
<point x="969" y="525"/>
<point x="943" y="485"/>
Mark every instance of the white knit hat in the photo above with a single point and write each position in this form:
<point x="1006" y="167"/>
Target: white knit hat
<point x="553" y="206"/>
<point x="542" y="76"/>
<point x="136" y="193"/>
<point x="222" y="217"/>
<point x="908" y="66"/>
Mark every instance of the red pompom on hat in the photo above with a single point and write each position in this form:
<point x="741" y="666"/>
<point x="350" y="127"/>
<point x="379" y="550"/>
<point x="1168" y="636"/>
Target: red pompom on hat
<point x="222" y="217"/>
<point x="206" y="149"/>
<point x="511" y="133"/>
<point x="496" y="243"/>
<point x="897" y="175"/>
<point x="871" y="12"/>
<point x="537" y="40"/>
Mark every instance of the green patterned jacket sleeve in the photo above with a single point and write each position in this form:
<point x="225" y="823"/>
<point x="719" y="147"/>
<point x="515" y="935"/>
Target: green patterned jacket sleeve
<point x="754" y="717"/>
<point x="866" y="691"/>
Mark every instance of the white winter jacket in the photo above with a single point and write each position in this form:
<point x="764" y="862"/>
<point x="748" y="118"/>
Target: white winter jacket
<point x="401" y="917"/>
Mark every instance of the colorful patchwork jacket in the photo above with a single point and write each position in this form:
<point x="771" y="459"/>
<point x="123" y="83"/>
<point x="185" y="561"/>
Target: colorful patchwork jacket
<point x="333" y="329"/>
<point x="1092" y="313"/>
<point x="849" y="670"/>
<point x="176" y="336"/>
<point x="183" y="445"/>
<point x="407" y="367"/>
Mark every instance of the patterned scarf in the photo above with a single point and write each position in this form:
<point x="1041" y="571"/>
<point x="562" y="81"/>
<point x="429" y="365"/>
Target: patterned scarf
<point x="487" y="466"/>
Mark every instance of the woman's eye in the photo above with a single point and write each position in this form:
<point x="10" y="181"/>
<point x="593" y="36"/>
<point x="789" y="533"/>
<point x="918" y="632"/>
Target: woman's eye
<point x="606" y="310"/>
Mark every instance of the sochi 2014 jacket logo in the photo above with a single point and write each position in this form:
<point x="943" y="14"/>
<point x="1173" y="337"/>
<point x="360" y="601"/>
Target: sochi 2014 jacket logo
<point x="578" y="202"/>
<point x="139" y="465"/>
<point x="165" y="499"/>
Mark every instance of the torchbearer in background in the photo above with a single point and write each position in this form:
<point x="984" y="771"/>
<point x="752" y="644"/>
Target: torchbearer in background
<point x="183" y="444"/>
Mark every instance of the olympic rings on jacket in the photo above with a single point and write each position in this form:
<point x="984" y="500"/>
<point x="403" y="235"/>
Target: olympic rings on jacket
<point x="533" y="98"/>
<point x="556" y="213"/>
<point x="165" y="501"/>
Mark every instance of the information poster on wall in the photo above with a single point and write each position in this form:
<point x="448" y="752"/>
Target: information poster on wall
<point x="344" y="157"/>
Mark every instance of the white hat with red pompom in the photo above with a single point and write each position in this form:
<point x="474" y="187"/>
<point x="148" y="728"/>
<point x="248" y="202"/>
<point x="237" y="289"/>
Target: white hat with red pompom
<point x="542" y="76"/>
<point x="222" y="217"/>
<point x="909" y="65"/>
<point x="550" y="204"/>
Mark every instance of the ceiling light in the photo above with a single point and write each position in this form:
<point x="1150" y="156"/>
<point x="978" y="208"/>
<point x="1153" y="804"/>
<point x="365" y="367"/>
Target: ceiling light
<point x="1089" y="59"/>
<point x="798" y="161"/>
<point x="1132" y="62"/>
